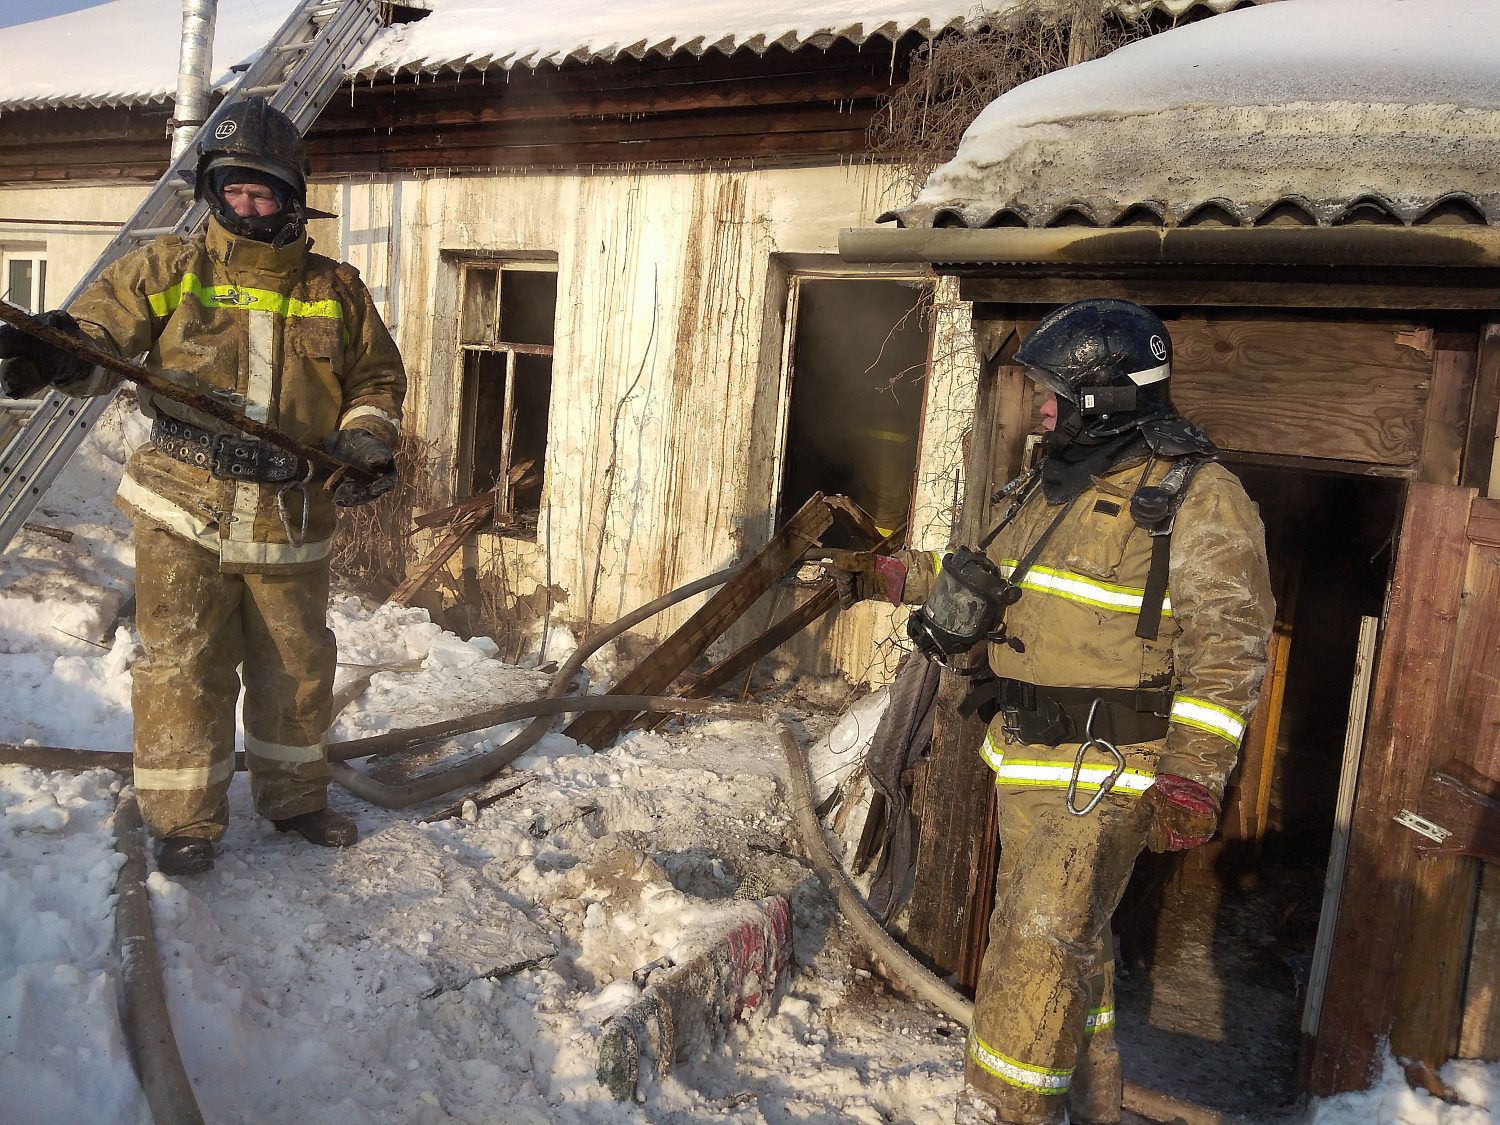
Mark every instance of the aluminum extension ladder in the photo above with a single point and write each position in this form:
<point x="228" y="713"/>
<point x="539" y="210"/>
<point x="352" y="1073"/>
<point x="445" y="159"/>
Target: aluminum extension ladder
<point x="298" y="72"/>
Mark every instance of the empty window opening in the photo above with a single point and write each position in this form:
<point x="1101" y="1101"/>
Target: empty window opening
<point x="505" y="334"/>
<point x="26" y="282"/>
<point x="1216" y="944"/>
<point x="858" y="374"/>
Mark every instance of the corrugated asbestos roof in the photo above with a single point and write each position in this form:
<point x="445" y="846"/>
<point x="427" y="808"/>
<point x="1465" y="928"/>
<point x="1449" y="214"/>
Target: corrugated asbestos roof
<point x="122" y="53"/>
<point x="480" y="34"/>
<point x="125" y="52"/>
<point x="1307" y="112"/>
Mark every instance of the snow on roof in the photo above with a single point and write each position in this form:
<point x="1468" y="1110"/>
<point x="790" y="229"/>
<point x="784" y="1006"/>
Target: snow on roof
<point x="463" y="34"/>
<point x="122" y="53"/>
<point x="1306" y="110"/>
<point x="125" y="52"/>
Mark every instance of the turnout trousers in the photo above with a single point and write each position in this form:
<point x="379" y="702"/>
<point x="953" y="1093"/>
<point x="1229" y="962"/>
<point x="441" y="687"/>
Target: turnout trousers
<point x="198" y="626"/>
<point x="1043" y="1032"/>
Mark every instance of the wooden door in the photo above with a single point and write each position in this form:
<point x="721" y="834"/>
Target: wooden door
<point x="1402" y="941"/>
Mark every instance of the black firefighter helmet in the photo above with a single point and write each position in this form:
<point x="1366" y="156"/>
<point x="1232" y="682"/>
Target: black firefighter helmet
<point x="254" y="135"/>
<point x="1111" y="359"/>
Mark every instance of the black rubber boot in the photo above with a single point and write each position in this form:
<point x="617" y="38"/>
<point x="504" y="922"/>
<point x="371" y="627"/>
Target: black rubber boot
<point x="325" y="828"/>
<point x="185" y="855"/>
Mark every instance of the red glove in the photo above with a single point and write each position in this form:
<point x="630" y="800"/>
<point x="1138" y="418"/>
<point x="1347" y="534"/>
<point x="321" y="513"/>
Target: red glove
<point x="1184" y="814"/>
<point x="863" y="577"/>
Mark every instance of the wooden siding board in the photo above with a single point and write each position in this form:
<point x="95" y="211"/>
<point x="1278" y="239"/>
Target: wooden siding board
<point x="956" y="855"/>
<point x="1426" y="594"/>
<point x="1480" y="1038"/>
<point x="780" y="105"/>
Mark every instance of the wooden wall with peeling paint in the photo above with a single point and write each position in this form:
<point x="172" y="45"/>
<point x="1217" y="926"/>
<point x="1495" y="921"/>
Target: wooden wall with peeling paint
<point x="667" y="375"/>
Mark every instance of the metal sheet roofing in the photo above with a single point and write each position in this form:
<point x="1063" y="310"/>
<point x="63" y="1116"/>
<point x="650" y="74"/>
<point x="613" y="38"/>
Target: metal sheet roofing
<point x="1303" y="112"/>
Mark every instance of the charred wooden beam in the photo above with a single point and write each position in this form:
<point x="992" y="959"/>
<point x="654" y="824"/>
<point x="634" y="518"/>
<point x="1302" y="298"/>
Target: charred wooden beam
<point x="655" y="674"/>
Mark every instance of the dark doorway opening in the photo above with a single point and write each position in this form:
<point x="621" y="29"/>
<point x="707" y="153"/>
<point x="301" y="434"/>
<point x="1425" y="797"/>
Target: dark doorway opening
<point x="858" y="376"/>
<point x="1216" y="945"/>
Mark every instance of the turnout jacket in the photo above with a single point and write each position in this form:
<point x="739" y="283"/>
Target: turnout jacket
<point x="1081" y="601"/>
<point x="290" y="337"/>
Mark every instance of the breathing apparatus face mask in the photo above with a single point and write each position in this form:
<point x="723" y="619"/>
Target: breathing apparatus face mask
<point x="967" y="600"/>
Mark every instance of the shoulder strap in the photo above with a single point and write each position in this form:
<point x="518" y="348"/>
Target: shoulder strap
<point x="1148" y="625"/>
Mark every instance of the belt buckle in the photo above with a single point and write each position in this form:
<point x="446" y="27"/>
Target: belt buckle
<point x="1105" y="786"/>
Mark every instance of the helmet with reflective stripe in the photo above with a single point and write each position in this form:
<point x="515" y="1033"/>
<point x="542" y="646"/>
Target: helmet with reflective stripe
<point x="1111" y="359"/>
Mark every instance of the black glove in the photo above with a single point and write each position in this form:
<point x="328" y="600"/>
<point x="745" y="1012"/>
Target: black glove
<point x="363" y="451"/>
<point x="27" y="364"/>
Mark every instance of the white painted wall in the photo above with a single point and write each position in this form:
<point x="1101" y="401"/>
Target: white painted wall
<point x="71" y="223"/>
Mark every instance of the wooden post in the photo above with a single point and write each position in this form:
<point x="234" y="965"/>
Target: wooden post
<point x="1338" y="850"/>
<point x="956" y="858"/>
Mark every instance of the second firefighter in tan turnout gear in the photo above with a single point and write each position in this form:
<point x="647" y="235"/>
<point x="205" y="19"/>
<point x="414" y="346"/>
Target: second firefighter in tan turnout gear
<point x="1136" y="612"/>
<point x="232" y="536"/>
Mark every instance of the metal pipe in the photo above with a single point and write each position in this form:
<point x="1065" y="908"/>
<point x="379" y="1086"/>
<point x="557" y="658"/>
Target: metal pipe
<point x="195" y="63"/>
<point x="148" y="1026"/>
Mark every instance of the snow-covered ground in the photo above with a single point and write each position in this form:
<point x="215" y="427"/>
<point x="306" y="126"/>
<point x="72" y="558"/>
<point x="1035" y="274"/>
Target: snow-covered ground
<point x="453" y="971"/>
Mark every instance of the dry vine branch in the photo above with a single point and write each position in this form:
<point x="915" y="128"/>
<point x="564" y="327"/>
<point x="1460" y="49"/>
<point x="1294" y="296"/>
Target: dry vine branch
<point x="953" y="77"/>
<point x="372" y="547"/>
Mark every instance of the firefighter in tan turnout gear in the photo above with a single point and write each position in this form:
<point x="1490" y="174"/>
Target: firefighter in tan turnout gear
<point x="1127" y="604"/>
<point x="232" y="535"/>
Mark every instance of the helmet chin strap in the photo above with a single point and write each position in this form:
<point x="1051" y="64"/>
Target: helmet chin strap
<point x="1065" y="432"/>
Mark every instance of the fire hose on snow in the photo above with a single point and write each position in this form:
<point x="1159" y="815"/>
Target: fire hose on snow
<point x="148" y="1027"/>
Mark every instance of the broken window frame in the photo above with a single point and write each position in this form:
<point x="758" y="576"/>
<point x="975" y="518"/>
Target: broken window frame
<point x="801" y="268"/>
<point x="468" y="387"/>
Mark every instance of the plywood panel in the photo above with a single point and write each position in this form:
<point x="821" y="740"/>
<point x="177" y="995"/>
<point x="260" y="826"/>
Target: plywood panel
<point x="1306" y="388"/>
<point x="1407" y="723"/>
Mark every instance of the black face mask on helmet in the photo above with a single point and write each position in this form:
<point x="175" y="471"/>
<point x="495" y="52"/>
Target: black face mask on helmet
<point x="1108" y="361"/>
<point x="255" y="143"/>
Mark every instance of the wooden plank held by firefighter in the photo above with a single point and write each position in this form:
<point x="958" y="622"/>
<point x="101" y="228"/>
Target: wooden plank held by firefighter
<point x="159" y="384"/>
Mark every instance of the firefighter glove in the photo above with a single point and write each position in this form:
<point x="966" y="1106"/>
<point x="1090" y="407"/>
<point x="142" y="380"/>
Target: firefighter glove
<point x="27" y="365"/>
<point x="1184" y="814"/>
<point x="862" y="576"/>
<point x="364" y="451"/>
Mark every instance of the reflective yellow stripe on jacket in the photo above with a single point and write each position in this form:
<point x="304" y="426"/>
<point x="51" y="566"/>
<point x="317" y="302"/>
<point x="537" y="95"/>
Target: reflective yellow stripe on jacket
<point x="1086" y="591"/>
<point x="240" y="297"/>
<point x="1027" y="773"/>
<point x="1204" y="715"/>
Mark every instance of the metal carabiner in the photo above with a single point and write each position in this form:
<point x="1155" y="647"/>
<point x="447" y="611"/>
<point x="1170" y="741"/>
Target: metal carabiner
<point x="281" y="506"/>
<point x="1091" y="739"/>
